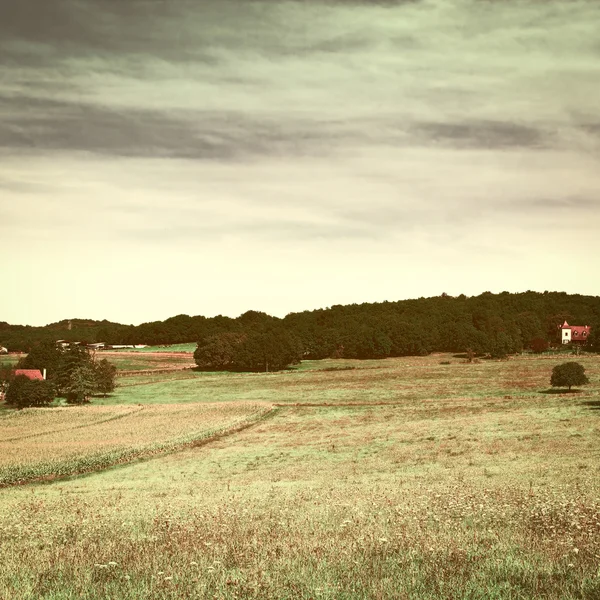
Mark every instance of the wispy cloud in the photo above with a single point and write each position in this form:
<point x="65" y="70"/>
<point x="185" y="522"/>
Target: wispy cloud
<point x="348" y="129"/>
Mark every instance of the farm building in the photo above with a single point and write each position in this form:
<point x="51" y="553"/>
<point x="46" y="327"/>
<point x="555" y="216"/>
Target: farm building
<point x="31" y="374"/>
<point x="574" y="333"/>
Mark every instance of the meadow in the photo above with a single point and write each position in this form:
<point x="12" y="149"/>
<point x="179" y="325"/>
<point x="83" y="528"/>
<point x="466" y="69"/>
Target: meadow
<point x="187" y="347"/>
<point x="138" y="361"/>
<point x="401" y="478"/>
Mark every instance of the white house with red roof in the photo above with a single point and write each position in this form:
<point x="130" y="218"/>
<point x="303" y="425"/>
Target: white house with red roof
<point x="574" y="333"/>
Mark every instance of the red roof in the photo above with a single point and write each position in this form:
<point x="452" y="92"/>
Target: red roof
<point x="577" y="331"/>
<point x="30" y="373"/>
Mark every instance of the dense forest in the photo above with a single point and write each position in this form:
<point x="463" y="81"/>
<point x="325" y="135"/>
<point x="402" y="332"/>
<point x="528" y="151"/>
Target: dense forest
<point x="496" y="324"/>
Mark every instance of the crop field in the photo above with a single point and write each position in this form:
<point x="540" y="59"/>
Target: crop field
<point x="42" y="443"/>
<point x="137" y="361"/>
<point x="403" y="478"/>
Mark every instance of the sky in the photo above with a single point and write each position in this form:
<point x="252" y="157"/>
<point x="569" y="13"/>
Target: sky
<point x="183" y="157"/>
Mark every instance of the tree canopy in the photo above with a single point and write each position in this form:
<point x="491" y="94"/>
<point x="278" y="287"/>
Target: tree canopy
<point x="257" y="349"/>
<point x="495" y="324"/>
<point x="23" y="392"/>
<point x="568" y="374"/>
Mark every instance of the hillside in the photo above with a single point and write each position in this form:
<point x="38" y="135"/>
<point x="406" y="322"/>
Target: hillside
<point x="494" y="323"/>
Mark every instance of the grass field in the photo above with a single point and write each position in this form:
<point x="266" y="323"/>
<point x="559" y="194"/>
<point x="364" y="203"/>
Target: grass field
<point x="454" y="481"/>
<point x="345" y="381"/>
<point x="188" y="347"/>
<point x="8" y="359"/>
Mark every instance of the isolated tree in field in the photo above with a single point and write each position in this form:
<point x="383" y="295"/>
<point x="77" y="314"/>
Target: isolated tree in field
<point x="568" y="375"/>
<point x="105" y="376"/>
<point x="23" y="392"/>
<point x="81" y="385"/>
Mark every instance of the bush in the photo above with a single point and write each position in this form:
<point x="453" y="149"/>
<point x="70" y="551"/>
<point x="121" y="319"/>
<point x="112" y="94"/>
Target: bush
<point x="538" y="345"/>
<point x="24" y="392"/>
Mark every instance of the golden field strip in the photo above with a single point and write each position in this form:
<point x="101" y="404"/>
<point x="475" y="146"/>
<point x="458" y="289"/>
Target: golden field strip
<point x="43" y="443"/>
<point x="402" y="478"/>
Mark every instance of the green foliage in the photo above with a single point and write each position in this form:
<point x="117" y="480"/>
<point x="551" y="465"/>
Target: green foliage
<point x="497" y="324"/>
<point x="44" y="355"/>
<point x="218" y="352"/>
<point x="105" y="373"/>
<point x="269" y="349"/>
<point x="72" y="359"/>
<point x="593" y="342"/>
<point x="568" y="375"/>
<point x="23" y="392"/>
<point x="538" y="345"/>
<point x="72" y="371"/>
<point x="81" y="385"/>
<point x="272" y="349"/>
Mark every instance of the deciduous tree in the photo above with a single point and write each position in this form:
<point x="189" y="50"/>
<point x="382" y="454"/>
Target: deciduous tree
<point x="23" y="392"/>
<point x="105" y="376"/>
<point x="81" y="385"/>
<point x="568" y="375"/>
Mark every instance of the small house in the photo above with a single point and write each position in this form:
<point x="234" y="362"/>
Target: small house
<point x="574" y="333"/>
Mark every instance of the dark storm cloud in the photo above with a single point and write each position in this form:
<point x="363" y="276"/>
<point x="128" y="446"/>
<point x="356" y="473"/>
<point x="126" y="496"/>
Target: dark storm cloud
<point x="40" y="32"/>
<point x="43" y="124"/>
<point x="483" y="134"/>
<point x="53" y="125"/>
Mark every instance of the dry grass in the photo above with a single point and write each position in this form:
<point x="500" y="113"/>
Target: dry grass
<point x="137" y="361"/>
<point x="474" y="485"/>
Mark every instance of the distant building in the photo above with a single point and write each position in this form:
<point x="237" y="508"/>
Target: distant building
<point x="31" y="374"/>
<point x="574" y="333"/>
<point x="96" y="346"/>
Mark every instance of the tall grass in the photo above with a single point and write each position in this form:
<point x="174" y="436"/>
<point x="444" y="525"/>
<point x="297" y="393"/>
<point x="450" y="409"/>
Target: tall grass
<point x="471" y="485"/>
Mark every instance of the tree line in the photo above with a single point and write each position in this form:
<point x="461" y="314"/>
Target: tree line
<point x="493" y="324"/>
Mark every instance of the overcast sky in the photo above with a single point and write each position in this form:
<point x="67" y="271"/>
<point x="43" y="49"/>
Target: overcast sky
<point x="210" y="157"/>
